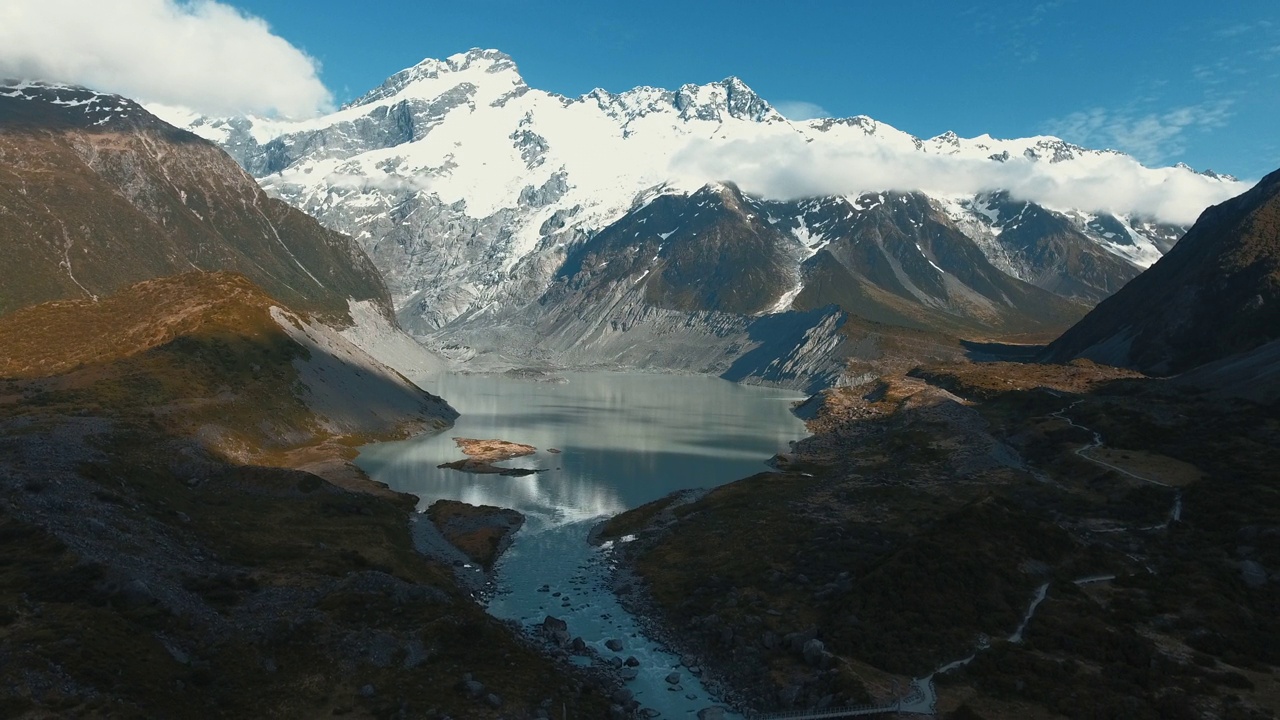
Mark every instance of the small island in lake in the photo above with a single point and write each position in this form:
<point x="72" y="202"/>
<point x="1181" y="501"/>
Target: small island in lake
<point x="482" y="454"/>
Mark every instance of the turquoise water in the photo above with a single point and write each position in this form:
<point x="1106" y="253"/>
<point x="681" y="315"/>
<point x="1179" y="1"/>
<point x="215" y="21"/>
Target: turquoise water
<point x="624" y="439"/>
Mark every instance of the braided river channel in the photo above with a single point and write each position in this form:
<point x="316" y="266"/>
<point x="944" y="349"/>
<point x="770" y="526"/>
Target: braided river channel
<point x="625" y="439"/>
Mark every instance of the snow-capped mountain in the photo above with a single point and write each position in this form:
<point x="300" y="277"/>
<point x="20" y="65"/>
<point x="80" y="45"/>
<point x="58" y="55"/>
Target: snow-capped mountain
<point x="479" y="198"/>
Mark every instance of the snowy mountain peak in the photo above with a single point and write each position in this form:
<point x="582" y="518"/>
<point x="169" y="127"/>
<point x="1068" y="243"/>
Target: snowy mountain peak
<point x="1208" y="173"/>
<point x="947" y="138"/>
<point x="731" y="97"/>
<point x="429" y="77"/>
<point x="491" y="60"/>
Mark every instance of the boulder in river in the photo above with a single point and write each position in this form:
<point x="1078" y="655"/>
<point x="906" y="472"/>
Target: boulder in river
<point x="556" y="630"/>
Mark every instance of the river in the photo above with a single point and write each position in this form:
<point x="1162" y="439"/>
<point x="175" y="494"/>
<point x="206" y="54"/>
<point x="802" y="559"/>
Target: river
<point x="624" y="439"/>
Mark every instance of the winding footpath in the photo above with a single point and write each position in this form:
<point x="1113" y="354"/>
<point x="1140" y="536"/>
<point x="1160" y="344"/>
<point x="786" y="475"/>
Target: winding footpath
<point x="1097" y="443"/>
<point x="1175" y="514"/>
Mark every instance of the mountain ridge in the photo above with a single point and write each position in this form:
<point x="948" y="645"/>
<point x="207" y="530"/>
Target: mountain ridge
<point x="97" y="193"/>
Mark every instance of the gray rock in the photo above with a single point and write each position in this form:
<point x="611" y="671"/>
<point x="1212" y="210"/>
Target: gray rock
<point x="726" y="635"/>
<point x="1253" y="573"/>
<point x="813" y="652"/>
<point x="673" y="678"/>
<point x="556" y="629"/>
<point x="415" y="653"/>
<point x="473" y="688"/>
<point x="613" y="644"/>
<point x="178" y="654"/>
<point x="796" y="640"/>
<point x="769" y="639"/>
<point x="367" y="691"/>
<point x="493" y="700"/>
<point x="136" y="593"/>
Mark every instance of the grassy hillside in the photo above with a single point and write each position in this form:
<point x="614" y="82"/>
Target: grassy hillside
<point x="163" y="557"/>
<point x="916" y="526"/>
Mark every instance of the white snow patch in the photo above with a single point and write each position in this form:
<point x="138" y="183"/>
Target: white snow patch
<point x="784" y="302"/>
<point x="811" y="242"/>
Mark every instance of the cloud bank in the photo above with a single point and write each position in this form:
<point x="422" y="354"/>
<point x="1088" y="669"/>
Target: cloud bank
<point x="790" y="167"/>
<point x="204" y="55"/>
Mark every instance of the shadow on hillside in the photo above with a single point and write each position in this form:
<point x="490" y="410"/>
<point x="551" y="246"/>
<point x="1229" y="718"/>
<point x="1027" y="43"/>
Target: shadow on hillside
<point x="1001" y="352"/>
<point x="780" y="336"/>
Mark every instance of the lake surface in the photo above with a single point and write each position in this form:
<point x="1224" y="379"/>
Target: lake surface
<point x="624" y="439"/>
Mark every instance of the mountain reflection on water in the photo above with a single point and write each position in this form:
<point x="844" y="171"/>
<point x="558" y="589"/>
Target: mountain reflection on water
<point x="624" y="439"/>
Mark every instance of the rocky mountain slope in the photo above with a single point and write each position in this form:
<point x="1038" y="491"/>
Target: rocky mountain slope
<point x="479" y="198"/>
<point x="96" y="194"/>
<point x="1217" y="293"/>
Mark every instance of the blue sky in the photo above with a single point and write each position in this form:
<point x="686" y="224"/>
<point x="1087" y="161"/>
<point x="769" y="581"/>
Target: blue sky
<point x="1178" y="81"/>
<point x="1196" y="82"/>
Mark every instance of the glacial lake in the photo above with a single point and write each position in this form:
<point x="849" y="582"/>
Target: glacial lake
<point x="624" y="439"/>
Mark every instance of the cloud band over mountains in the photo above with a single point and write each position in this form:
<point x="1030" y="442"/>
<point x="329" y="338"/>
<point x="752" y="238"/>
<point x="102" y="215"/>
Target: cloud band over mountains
<point x="203" y="55"/>
<point x="214" y="59"/>
<point x="790" y="167"/>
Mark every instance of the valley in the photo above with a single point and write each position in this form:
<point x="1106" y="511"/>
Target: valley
<point x="473" y="400"/>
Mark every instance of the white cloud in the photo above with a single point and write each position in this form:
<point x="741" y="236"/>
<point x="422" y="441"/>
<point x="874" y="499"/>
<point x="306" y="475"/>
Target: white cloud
<point x="789" y="167"/>
<point x="1153" y="137"/>
<point x="800" y="110"/>
<point x="203" y="54"/>
<point x="1239" y="29"/>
